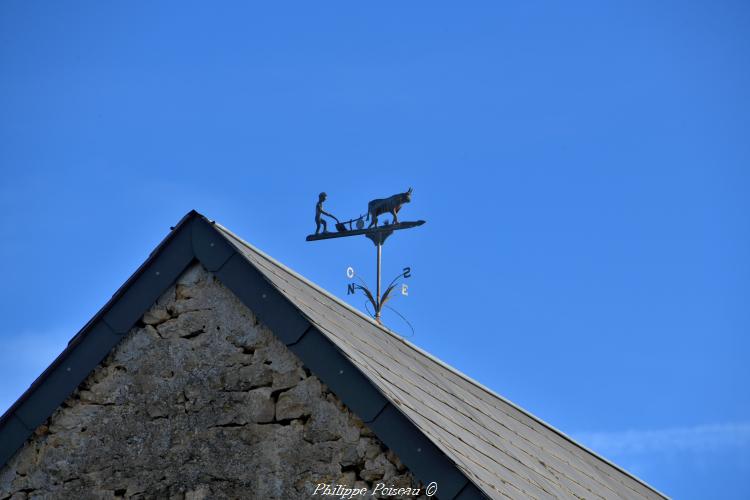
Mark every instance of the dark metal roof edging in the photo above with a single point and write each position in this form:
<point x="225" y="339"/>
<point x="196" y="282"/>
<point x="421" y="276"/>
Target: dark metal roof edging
<point x="442" y="363"/>
<point x="195" y="238"/>
<point x="330" y="365"/>
<point x="88" y="347"/>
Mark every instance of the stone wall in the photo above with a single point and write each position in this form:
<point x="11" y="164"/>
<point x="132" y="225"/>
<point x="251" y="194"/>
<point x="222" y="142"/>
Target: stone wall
<point x="199" y="401"/>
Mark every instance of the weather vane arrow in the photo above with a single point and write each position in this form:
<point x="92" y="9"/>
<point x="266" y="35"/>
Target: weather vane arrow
<point x="377" y="234"/>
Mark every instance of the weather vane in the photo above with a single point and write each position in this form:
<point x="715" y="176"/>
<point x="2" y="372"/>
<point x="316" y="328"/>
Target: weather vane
<point x="377" y="234"/>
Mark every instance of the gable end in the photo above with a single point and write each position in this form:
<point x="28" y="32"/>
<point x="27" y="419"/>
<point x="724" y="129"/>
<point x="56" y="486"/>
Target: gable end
<point x="195" y="239"/>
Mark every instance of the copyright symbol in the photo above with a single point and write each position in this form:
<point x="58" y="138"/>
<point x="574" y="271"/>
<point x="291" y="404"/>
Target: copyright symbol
<point x="431" y="489"/>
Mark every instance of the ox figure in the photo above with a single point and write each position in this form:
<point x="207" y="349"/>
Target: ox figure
<point x="391" y="205"/>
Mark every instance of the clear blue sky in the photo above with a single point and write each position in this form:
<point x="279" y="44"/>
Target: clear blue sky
<point x="583" y="168"/>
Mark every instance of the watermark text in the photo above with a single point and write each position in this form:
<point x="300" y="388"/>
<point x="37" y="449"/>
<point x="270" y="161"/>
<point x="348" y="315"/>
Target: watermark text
<point x="380" y="490"/>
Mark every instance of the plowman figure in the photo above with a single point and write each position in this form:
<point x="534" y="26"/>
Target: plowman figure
<point x="319" y="212"/>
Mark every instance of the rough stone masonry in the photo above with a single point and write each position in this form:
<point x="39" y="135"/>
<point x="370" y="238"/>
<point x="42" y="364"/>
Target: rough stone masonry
<point x="199" y="401"/>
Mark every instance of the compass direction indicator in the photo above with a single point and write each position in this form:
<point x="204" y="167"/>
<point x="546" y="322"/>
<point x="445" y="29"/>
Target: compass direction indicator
<point x="377" y="234"/>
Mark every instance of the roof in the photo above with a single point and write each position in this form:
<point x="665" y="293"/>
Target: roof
<point x="443" y="425"/>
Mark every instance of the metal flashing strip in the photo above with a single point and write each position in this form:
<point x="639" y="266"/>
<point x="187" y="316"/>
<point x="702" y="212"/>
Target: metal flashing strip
<point x="13" y="434"/>
<point x="417" y="452"/>
<point x="469" y="492"/>
<point x="430" y="356"/>
<point x="85" y="356"/>
<point x="339" y="374"/>
<point x="210" y="247"/>
<point x="163" y="269"/>
<point x="346" y="381"/>
<point x="97" y="338"/>
<point x="271" y="307"/>
<point x="287" y="281"/>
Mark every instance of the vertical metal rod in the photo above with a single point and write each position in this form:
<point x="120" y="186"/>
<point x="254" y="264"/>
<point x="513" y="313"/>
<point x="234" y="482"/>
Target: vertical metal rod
<point x="377" y="297"/>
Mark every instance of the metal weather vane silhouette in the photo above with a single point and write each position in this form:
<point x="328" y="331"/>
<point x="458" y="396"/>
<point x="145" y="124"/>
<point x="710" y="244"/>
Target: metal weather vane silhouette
<point x="377" y="234"/>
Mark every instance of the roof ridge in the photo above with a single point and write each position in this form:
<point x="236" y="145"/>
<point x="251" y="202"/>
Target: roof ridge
<point x="428" y="355"/>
